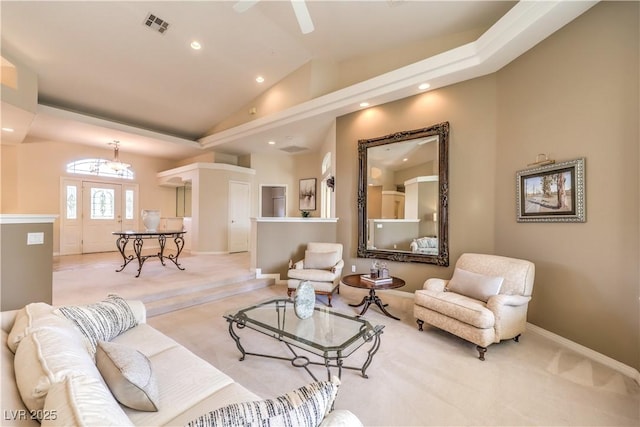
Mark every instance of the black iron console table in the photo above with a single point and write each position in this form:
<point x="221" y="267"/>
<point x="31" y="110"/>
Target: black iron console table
<point x="138" y="238"/>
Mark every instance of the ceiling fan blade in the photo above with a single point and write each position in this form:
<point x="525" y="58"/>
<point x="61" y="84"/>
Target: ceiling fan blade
<point x="244" y="5"/>
<point x="302" y="13"/>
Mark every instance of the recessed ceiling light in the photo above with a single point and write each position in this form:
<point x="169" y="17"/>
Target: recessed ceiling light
<point x="8" y="129"/>
<point x="260" y="79"/>
<point x="405" y="159"/>
<point x="424" y="86"/>
<point x="195" y="45"/>
<point x="364" y="104"/>
<point x="271" y="143"/>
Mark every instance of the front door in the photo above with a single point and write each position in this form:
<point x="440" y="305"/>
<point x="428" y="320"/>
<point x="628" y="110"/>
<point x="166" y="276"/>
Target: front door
<point x="239" y="222"/>
<point x="102" y="214"/>
<point x="85" y="228"/>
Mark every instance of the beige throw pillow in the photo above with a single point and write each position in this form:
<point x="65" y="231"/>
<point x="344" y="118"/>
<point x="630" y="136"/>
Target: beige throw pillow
<point x="48" y="355"/>
<point x="320" y="260"/>
<point x="128" y="374"/>
<point x="32" y="317"/>
<point x="474" y="285"/>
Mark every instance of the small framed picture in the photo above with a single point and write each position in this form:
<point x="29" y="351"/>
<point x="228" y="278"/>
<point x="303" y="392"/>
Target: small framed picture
<point x="552" y="193"/>
<point x="308" y="194"/>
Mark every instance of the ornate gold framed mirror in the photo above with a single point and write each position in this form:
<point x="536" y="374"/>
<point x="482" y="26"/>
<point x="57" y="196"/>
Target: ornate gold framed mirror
<point x="403" y="196"/>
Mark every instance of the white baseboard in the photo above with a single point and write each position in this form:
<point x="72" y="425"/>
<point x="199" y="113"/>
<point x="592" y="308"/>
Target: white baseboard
<point x="587" y="352"/>
<point x="208" y="252"/>
<point x="274" y="276"/>
<point x="397" y="293"/>
<point x="620" y="367"/>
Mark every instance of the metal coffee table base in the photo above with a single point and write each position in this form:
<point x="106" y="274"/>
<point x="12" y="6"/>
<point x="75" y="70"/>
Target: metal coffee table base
<point x="300" y="361"/>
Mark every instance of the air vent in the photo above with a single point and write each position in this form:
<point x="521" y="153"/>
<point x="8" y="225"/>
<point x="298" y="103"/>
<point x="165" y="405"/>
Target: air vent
<point x="293" y="149"/>
<point x="157" y="24"/>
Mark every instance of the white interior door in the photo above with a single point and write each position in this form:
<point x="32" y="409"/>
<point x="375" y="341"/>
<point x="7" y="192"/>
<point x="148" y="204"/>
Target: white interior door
<point x="239" y="222"/>
<point x="102" y="214"/>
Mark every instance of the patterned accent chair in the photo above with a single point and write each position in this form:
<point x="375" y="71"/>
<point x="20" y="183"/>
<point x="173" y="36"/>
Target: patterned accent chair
<point x="322" y="266"/>
<point x="484" y="302"/>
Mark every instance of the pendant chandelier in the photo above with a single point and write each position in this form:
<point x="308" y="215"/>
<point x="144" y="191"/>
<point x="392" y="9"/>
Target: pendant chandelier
<point x="116" y="164"/>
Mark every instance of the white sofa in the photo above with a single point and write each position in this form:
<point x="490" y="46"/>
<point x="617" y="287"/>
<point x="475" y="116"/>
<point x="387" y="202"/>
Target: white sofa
<point x="68" y="389"/>
<point x="425" y="245"/>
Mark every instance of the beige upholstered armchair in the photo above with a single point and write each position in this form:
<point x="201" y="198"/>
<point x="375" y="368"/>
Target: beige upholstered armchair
<point x="485" y="301"/>
<point x="322" y="266"/>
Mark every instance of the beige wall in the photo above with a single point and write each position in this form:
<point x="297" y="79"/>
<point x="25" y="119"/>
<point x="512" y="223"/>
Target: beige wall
<point x="470" y="109"/>
<point x="576" y="94"/>
<point x="286" y="169"/>
<point x="329" y="146"/>
<point x="31" y="174"/>
<point x="273" y="252"/>
<point x="26" y="270"/>
<point x="8" y="178"/>
<point x="212" y="189"/>
<point x="307" y="166"/>
<point x="275" y="169"/>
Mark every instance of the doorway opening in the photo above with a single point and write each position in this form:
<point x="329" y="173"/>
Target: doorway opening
<point x="273" y="200"/>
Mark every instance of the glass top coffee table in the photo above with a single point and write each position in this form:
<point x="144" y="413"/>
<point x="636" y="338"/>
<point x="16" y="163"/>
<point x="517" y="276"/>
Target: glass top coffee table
<point x="329" y="335"/>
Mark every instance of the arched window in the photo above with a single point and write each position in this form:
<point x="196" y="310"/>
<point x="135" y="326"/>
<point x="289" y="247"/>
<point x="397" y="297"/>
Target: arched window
<point x="99" y="167"/>
<point x="326" y="163"/>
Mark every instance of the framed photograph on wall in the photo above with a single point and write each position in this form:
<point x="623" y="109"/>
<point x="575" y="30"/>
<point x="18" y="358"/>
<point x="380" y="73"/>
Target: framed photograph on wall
<point x="552" y="193"/>
<point x="308" y="194"/>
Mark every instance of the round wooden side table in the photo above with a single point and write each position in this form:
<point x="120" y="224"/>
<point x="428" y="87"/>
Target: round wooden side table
<point x="356" y="281"/>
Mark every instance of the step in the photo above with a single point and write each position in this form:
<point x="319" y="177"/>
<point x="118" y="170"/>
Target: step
<point x="196" y="285"/>
<point x="203" y="295"/>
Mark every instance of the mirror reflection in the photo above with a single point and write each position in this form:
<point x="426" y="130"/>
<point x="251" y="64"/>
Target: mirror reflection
<point x="403" y="185"/>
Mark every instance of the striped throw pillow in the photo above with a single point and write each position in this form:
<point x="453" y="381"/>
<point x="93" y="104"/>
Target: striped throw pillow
<point x="102" y="321"/>
<point x="304" y="407"/>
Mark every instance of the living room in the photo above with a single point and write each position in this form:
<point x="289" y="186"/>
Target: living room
<point x="573" y="95"/>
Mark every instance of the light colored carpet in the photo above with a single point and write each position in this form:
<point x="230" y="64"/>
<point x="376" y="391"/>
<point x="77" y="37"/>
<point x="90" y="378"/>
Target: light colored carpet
<point x="428" y="378"/>
<point x="81" y="279"/>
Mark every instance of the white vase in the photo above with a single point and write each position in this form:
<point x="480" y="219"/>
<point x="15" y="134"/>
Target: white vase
<point x="151" y="219"/>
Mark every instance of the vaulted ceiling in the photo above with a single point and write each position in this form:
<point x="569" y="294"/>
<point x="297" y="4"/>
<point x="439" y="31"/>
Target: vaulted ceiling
<point x="103" y="74"/>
